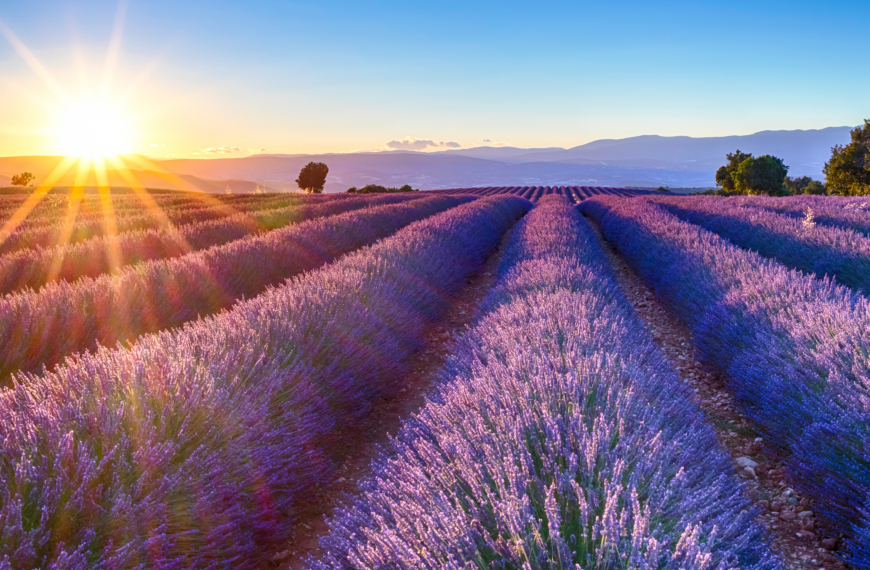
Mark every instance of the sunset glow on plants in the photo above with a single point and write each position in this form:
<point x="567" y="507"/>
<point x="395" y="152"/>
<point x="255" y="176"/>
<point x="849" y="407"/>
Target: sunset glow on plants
<point x="402" y="286"/>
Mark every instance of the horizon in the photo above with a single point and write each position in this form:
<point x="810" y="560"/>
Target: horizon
<point x="218" y="80"/>
<point x="424" y="152"/>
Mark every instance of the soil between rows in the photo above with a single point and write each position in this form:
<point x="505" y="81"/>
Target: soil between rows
<point x="802" y="540"/>
<point x="362" y="446"/>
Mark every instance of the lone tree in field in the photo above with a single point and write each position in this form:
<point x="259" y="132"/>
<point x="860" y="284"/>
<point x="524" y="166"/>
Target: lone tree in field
<point x="746" y="174"/>
<point x="313" y="177"/>
<point x="23" y="179"/>
<point x="848" y="171"/>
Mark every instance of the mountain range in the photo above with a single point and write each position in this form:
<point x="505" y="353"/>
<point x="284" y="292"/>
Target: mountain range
<point x="643" y="161"/>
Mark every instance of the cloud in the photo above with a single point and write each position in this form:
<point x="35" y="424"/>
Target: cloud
<point x="212" y="150"/>
<point x="154" y="144"/>
<point x="219" y="150"/>
<point x="411" y="143"/>
<point x="170" y="156"/>
<point x="486" y="140"/>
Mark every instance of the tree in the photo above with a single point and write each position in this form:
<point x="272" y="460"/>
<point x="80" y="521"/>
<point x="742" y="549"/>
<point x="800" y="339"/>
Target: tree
<point x="378" y="189"/>
<point x="723" y="176"/>
<point x="763" y="175"/>
<point x="848" y="171"/>
<point x="815" y="187"/>
<point x="804" y="185"/>
<point x="23" y="179"/>
<point x="313" y="177"/>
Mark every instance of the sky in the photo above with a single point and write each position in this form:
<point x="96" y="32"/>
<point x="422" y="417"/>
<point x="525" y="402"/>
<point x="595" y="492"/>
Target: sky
<point x="212" y="78"/>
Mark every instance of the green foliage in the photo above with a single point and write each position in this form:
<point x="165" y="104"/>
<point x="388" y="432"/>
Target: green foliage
<point x="745" y="174"/>
<point x="377" y="189"/>
<point x="724" y="178"/>
<point x="663" y="189"/>
<point x="23" y="179"/>
<point x="804" y="185"/>
<point x="848" y="171"/>
<point x="713" y="192"/>
<point x="313" y="177"/>
<point x="815" y="187"/>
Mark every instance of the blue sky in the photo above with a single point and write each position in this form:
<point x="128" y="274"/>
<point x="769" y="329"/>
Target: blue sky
<point x="325" y="76"/>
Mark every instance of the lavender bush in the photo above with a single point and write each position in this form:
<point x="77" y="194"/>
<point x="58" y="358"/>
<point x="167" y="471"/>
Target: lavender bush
<point x="534" y="193"/>
<point x="40" y="328"/>
<point x="196" y="448"/>
<point x="794" y="349"/>
<point x="33" y="268"/>
<point x="846" y="213"/>
<point x="801" y="243"/>
<point x="50" y="228"/>
<point x="559" y="438"/>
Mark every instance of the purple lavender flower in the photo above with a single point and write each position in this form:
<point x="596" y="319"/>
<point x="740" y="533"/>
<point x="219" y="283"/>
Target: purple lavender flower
<point x="559" y="438"/>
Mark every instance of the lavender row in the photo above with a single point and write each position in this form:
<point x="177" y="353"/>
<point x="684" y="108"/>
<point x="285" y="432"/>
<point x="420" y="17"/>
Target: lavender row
<point x="52" y="230"/>
<point x="50" y="208"/>
<point x="848" y="213"/>
<point x="796" y="350"/>
<point x="800" y="243"/>
<point x="559" y="438"/>
<point x="40" y="328"/>
<point x="107" y="254"/>
<point x="196" y="448"/>
<point x="575" y="193"/>
<point x="52" y="205"/>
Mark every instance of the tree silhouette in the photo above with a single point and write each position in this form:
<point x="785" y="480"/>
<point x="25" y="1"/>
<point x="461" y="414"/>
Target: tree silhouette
<point x="313" y="177"/>
<point x="23" y="179"/>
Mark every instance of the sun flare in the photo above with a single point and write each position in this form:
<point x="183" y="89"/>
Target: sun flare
<point x="92" y="130"/>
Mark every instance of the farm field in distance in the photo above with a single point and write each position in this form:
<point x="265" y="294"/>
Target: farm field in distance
<point x="497" y="377"/>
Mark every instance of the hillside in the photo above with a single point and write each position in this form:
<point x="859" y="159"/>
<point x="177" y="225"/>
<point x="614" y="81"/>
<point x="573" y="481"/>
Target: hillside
<point x="649" y="161"/>
<point x="644" y="161"/>
<point x="43" y="166"/>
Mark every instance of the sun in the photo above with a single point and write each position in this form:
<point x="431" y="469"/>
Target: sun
<point x="92" y="130"/>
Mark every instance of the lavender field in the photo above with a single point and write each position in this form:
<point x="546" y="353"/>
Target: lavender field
<point x="463" y="379"/>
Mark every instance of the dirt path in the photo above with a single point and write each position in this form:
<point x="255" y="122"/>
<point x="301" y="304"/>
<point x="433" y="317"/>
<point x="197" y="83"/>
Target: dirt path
<point x="788" y="518"/>
<point x="387" y="416"/>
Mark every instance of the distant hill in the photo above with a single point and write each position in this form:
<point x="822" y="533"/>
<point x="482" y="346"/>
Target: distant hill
<point x="645" y="161"/>
<point x="502" y="153"/>
<point x="43" y="166"/>
<point x="804" y="151"/>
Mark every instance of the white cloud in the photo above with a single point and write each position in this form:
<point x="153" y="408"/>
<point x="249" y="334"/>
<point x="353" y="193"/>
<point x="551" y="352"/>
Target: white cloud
<point x="219" y="150"/>
<point x="213" y="150"/>
<point x="411" y="143"/>
<point x="170" y="156"/>
<point x="154" y="144"/>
